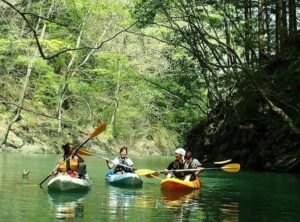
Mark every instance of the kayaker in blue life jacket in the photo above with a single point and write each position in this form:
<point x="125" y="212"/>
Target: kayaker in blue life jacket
<point x="177" y="164"/>
<point x="190" y="163"/>
<point x="122" y="159"/>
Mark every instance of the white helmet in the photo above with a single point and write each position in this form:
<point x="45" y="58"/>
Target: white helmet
<point x="180" y="151"/>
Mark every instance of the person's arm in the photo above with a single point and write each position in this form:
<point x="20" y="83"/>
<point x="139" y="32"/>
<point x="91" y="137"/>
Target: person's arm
<point x="197" y="163"/>
<point x="130" y="165"/>
<point x="79" y="158"/>
<point x="113" y="163"/>
<point x="170" y="167"/>
<point x="110" y="164"/>
<point x="129" y="162"/>
<point x="57" y="167"/>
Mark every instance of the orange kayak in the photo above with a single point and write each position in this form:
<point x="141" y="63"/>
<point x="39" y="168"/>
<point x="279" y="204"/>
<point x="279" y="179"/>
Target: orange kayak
<point x="177" y="184"/>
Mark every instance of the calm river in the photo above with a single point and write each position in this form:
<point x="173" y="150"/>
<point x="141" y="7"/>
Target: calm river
<point x="244" y="196"/>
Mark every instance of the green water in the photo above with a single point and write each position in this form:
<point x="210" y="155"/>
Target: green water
<point x="230" y="197"/>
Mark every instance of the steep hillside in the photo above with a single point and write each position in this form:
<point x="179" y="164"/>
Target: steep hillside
<point x="245" y="127"/>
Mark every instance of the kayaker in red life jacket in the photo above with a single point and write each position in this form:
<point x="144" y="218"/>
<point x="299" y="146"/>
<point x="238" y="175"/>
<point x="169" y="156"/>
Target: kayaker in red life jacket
<point x="190" y="163"/>
<point x="177" y="164"/>
<point x="73" y="164"/>
<point x="122" y="159"/>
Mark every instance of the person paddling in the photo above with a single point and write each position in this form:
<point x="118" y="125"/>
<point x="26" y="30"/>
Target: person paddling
<point x="190" y="163"/>
<point x="72" y="162"/>
<point x="122" y="159"/>
<point x="177" y="164"/>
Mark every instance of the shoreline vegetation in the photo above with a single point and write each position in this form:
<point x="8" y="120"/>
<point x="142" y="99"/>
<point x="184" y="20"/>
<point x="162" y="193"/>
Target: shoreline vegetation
<point x="221" y="78"/>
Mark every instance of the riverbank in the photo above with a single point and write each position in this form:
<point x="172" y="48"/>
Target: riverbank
<point x="39" y="140"/>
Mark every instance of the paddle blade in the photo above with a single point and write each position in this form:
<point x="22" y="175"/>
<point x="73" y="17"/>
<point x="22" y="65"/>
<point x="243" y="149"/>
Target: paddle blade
<point x="99" y="130"/>
<point x="85" y="152"/>
<point x="222" y="162"/>
<point x="145" y="172"/>
<point x="232" y="167"/>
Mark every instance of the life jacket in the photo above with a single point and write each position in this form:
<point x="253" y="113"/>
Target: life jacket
<point x="120" y="168"/>
<point x="69" y="165"/>
<point x="190" y="165"/>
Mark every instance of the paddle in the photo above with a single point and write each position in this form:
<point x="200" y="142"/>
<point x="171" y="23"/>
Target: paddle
<point x="222" y="162"/>
<point x="231" y="168"/>
<point x="86" y="152"/>
<point x="96" y="132"/>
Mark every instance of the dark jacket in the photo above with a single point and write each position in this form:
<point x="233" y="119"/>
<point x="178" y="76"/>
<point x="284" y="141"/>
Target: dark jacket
<point x="176" y="165"/>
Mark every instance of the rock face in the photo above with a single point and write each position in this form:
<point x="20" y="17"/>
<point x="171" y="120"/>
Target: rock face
<point x="247" y="129"/>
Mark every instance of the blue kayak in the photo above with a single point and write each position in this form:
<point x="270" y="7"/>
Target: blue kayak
<point x="123" y="179"/>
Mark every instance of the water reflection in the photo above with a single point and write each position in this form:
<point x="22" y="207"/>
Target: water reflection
<point x="196" y="205"/>
<point x="121" y="202"/>
<point x="181" y="202"/>
<point x="67" y="205"/>
<point x="118" y="202"/>
<point x="181" y="197"/>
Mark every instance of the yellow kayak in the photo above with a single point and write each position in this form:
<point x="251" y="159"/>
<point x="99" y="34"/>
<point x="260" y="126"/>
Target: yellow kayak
<point x="177" y="184"/>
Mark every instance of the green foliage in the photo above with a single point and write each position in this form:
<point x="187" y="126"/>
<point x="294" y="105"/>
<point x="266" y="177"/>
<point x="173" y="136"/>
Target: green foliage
<point x="106" y="87"/>
<point x="145" y="11"/>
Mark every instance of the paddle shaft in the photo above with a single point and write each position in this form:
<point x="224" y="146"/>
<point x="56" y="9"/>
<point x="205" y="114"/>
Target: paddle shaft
<point x="232" y="167"/>
<point x="104" y="158"/>
<point x="196" y="169"/>
<point x="44" y="180"/>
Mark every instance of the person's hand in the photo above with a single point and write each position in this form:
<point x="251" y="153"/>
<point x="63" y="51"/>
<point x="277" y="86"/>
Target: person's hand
<point x="166" y="171"/>
<point x="198" y="172"/>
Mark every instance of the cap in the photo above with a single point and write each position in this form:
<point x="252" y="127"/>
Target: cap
<point x="180" y="151"/>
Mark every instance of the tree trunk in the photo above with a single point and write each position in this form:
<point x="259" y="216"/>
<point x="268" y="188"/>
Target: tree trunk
<point x="70" y="72"/>
<point x="292" y="18"/>
<point x="268" y="32"/>
<point x="247" y="30"/>
<point x="281" y="25"/>
<point x="64" y="83"/>
<point x="261" y="29"/>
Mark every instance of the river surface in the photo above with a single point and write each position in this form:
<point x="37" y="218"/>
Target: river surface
<point x="231" y="197"/>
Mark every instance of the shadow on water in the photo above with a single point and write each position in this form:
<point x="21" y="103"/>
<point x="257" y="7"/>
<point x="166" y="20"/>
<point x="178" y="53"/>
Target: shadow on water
<point x="68" y="205"/>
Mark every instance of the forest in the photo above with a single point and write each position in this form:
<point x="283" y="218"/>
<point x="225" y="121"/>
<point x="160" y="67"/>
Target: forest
<point x="218" y="76"/>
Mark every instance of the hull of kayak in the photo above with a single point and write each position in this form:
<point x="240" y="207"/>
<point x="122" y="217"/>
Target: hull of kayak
<point x="124" y="179"/>
<point x="64" y="182"/>
<point x="176" y="184"/>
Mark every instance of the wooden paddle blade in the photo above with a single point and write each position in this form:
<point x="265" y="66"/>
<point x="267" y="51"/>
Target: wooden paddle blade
<point x="144" y="172"/>
<point x="99" y="130"/>
<point x="222" y="162"/>
<point x="232" y="167"/>
<point x="85" y="152"/>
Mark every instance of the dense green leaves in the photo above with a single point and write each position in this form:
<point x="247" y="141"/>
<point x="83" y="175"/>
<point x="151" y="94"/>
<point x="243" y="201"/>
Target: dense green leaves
<point x="151" y="69"/>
